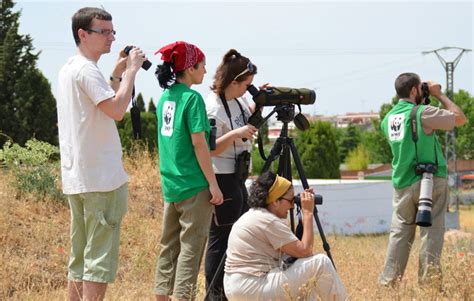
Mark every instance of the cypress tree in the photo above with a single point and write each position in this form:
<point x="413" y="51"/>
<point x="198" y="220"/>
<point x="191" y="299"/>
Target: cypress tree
<point x="140" y="102"/>
<point x="27" y="106"/>
<point x="318" y="151"/>
<point x="151" y="106"/>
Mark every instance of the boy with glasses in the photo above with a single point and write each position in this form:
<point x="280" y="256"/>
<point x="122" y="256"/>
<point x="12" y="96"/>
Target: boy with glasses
<point x="93" y="177"/>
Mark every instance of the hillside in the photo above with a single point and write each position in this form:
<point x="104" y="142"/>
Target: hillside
<point x="34" y="248"/>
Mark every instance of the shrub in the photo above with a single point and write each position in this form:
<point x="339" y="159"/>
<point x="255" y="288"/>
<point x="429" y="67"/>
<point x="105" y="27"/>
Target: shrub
<point x="318" y="151"/>
<point x="35" y="168"/>
<point x="358" y="158"/>
<point x="258" y="162"/>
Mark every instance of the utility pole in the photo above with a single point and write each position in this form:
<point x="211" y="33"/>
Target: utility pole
<point x="450" y="137"/>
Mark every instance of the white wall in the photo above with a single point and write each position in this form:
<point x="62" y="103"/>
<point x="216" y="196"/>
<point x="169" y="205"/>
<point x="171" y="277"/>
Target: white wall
<point x="353" y="206"/>
<point x="357" y="206"/>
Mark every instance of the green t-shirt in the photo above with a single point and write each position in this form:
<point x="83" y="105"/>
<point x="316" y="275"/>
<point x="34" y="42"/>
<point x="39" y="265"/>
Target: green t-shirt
<point x="181" y="112"/>
<point x="397" y="129"/>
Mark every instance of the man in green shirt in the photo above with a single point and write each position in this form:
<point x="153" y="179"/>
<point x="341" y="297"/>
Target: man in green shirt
<point x="397" y="129"/>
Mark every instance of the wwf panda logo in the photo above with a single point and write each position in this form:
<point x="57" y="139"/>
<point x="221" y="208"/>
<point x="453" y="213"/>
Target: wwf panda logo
<point x="168" y="115"/>
<point x="168" y="118"/>
<point x="397" y="123"/>
<point x="396" y="127"/>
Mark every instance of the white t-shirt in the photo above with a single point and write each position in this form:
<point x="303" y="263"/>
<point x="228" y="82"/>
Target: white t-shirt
<point x="224" y="163"/>
<point x="91" y="153"/>
<point x="254" y="240"/>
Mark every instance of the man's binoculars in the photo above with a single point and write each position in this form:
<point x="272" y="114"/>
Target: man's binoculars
<point x="146" y="64"/>
<point x="425" y="93"/>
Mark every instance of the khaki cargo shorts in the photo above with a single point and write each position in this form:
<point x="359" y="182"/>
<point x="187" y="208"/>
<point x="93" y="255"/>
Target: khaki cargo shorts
<point x="95" y="234"/>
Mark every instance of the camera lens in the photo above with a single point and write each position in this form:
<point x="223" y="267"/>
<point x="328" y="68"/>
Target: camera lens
<point x="425" y="202"/>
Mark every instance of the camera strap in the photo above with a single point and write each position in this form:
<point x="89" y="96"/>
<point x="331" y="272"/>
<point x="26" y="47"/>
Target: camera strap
<point x="229" y="115"/>
<point x="414" y="128"/>
<point x="135" y="117"/>
<point x="414" y="132"/>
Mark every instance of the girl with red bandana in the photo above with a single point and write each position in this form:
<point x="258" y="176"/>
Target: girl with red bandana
<point x="188" y="181"/>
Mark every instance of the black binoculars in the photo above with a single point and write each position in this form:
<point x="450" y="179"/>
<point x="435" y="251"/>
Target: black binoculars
<point x="318" y="199"/>
<point x="146" y="64"/>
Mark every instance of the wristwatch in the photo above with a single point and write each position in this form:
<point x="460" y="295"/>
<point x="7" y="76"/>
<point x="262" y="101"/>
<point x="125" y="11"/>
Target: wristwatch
<point x="115" y="79"/>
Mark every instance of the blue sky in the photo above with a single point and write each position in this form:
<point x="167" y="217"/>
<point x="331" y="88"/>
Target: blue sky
<point x="350" y="52"/>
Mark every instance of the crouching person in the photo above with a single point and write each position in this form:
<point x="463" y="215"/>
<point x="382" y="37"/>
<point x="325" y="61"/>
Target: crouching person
<point x="261" y="238"/>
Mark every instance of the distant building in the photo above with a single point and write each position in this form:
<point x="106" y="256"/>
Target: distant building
<point x="362" y="119"/>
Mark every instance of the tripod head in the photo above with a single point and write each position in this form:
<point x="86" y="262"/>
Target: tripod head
<point x="285" y="114"/>
<point x="284" y="100"/>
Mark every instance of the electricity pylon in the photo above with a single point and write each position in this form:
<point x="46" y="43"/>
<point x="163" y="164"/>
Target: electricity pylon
<point x="450" y="137"/>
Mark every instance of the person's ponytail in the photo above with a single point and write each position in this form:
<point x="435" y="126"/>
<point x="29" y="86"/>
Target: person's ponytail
<point x="165" y="75"/>
<point x="230" y="55"/>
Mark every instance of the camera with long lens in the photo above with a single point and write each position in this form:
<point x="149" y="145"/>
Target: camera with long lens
<point x="318" y="199"/>
<point x="146" y="64"/>
<point x="425" y="201"/>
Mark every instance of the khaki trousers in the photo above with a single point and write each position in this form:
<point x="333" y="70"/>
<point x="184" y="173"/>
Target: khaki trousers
<point x="403" y="228"/>
<point x="184" y="235"/>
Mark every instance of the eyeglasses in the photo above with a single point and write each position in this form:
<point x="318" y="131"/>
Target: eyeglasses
<point x="250" y="69"/>
<point x="292" y="201"/>
<point x="104" y="32"/>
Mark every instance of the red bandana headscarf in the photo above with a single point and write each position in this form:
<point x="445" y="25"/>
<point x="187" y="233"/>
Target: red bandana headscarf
<point x="182" y="54"/>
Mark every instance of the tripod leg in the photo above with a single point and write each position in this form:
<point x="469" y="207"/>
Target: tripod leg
<point x="304" y="181"/>
<point x="219" y="271"/>
<point x="274" y="152"/>
<point x="284" y="169"/>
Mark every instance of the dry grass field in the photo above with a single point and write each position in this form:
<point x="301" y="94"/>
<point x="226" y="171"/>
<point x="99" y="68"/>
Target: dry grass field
<point x="34" y="249"/>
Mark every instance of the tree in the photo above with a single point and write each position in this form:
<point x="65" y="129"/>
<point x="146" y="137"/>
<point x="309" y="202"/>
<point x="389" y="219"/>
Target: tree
<point x="386" y="107"/>
<point x="151" y="106"/>
<point x="318" y="151"/>
<point x="376" y="144"/>
<point x="140" y="102"/>
<point x="465" y="133"/>
<point x="149" y="131"/>
<point x="348" y="140"/>
<point x="27" y="106"/>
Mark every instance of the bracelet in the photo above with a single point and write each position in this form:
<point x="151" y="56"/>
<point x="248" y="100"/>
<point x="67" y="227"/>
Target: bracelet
<point x="115" y="79"/>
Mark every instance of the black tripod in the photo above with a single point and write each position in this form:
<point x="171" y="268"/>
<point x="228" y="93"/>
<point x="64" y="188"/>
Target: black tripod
<point x="284" y="147"/>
